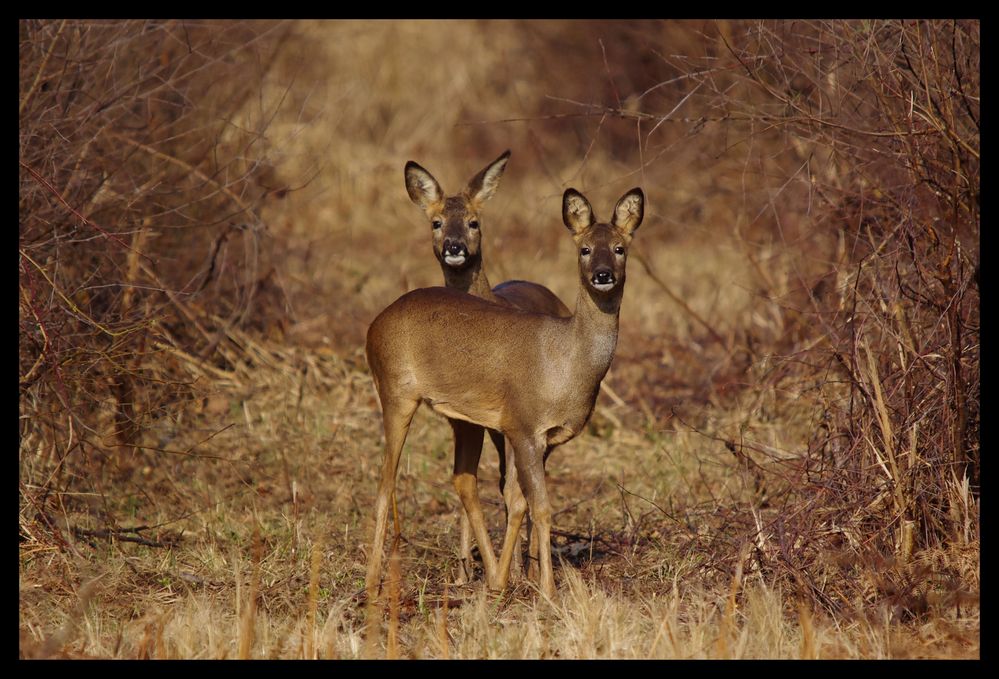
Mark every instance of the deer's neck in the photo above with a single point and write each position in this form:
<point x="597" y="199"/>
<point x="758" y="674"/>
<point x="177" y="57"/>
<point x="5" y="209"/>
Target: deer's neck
<point x="471" y="279"/>
<point x="594" y="328"/>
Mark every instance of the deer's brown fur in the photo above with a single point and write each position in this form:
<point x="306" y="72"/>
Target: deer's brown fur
<point x="534" y="377"/>
<point x="457" y="242"/>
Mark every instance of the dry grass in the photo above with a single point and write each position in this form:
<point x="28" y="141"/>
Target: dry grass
<point x="790" y="465"/>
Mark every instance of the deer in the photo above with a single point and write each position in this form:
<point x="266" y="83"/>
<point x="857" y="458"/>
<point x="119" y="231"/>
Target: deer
<point x="457" y="243"/>
<point x="531" y="376"/>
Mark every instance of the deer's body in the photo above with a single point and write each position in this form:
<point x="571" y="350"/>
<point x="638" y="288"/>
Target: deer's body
<point x="478" y="333"/>
<point x="531" y="376"/>
<point x="457" y="246"/>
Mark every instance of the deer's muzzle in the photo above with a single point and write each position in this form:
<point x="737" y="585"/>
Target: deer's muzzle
<point x="455" y="253"/>
<point x="603" y="280"/>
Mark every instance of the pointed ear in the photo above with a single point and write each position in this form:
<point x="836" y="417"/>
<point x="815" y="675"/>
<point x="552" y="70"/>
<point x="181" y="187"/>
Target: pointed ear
<point x="482" y="186"/>
<point x="629" y="211"/>
<point x="423" y="189"/>
<point x="576" y="211"/>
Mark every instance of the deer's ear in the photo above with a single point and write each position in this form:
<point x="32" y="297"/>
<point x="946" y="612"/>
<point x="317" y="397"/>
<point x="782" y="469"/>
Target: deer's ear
<point x="629" y="211"/>
<point x="421" y="186"/>
<point x="576" y="211"/>
<point x="482" y="186"/>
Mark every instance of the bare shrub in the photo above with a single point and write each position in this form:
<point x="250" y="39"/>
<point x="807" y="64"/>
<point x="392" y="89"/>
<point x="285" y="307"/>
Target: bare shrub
<point x="143" y="165"/>
<point x="861" y="141"/>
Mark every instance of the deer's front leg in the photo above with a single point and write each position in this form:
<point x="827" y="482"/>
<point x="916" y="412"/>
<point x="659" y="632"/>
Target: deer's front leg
<point x="529" y="455"/>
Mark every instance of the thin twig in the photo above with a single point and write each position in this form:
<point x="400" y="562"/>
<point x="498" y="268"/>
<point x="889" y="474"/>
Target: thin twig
<point x="41" y="68"/>
<point x="44" y="182"/>
<point x="683" y="305"/>
<point x="121" y="534"/>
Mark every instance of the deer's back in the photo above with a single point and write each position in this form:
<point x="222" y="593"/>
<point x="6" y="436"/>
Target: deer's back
<point x="531" y="297"/>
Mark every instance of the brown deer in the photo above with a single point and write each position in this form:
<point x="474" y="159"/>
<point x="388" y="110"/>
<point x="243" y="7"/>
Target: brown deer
<point x="534" y="377"/>
<point x="457" y="241"/>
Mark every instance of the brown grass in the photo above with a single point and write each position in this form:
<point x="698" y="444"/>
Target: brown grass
<point x="786" y="463"/>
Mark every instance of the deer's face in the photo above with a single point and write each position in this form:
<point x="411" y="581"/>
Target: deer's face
<point x="602" y="247"/>
<point x="456" y="234"/>
<point x="454" y="219"/>
<point x="603" y="252"/>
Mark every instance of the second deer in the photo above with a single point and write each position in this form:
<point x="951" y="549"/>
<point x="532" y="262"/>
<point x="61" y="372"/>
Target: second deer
<point x="532" y="376"/>
<point x="457" y="240"/>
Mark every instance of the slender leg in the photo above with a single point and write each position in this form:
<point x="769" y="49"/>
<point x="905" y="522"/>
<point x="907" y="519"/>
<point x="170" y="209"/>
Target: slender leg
<point x="516" y="568"/>
<point x="531" y="474"/>
<point x="516" y="508"/>
<point x="532" y="548"/>
<point x="499" y="442"/>
<point x="396" y="416"/>
<point x="468" y="449"/>
<point x="464" y="550"/>
<point x="466" y="437"/>
<point x="532" y="551"/>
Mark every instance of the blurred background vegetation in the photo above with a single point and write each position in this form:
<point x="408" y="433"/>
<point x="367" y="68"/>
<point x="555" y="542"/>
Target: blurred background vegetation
<point x="211" y="213"/>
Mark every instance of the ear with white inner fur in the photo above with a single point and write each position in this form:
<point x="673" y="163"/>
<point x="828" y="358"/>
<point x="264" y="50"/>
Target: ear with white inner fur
<point x="629" y="211"/>
<point x="576" y="211"/>
<point x="421" y="186"/>
<point x="482" y="186"/>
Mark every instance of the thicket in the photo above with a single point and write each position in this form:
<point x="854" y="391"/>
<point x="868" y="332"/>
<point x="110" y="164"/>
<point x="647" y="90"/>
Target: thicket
<point x="868" y="253"/>
<point x="143" y="163"/>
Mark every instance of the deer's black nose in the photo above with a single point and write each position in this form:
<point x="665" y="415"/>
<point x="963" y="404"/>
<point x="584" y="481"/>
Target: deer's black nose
<point x="603" y="277"/>
<point x="453" y="247"/>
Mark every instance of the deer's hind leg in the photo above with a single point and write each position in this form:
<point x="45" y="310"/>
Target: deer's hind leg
<point x="516" y="568"/>
<point x="467" y="451"/>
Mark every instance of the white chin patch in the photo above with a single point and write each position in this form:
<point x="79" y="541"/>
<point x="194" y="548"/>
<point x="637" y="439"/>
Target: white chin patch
<point x="451" y="260"/>
<point x="603" y="287"/>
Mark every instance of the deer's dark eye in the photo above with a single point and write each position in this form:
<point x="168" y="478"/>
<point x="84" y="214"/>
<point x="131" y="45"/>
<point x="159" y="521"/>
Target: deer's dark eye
<point x="584" y="251"/>
<point x="437" y="223"/>
<point x="619" y="250"/>
<point x="474" y="224"/>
